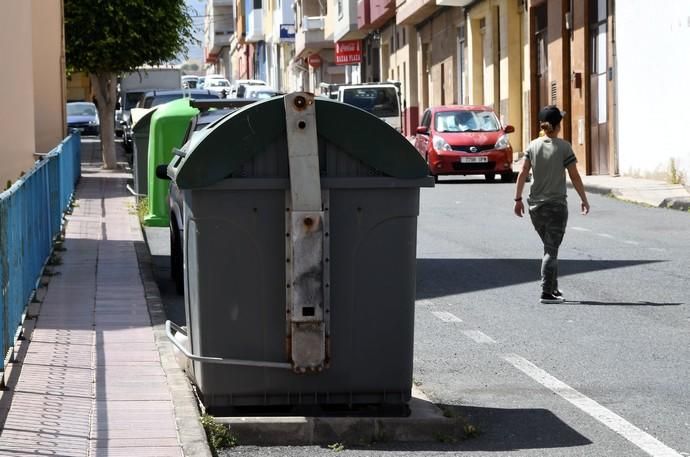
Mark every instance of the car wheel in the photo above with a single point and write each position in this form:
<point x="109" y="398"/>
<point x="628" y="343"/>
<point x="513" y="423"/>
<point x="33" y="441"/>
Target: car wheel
<point x="426" y="159"/>
<point x="490" y="177"/>
<point x="508" y="177"/>
<point x="176" y="259"/>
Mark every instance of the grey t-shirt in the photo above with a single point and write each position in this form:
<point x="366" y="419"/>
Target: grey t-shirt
<point x="549" y="158"/>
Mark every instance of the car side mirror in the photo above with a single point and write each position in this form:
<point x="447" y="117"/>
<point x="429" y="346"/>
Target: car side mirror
<point x="117" y="106"/>
<point x="162" y="172"/>
<point x="422" y="130"/>
<point x="509" y="129"/>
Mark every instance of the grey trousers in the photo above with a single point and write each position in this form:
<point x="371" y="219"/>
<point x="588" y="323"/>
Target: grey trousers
<point x="549" y="221"/>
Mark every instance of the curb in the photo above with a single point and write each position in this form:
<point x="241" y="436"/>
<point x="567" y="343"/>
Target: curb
<point x="190" y="432"/>
<point x="426" y="423"/>
<point x="676" y="203"/>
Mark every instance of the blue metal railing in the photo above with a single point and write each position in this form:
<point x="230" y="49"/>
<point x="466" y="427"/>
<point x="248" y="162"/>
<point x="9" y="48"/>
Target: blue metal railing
<point x="31" y="216"/>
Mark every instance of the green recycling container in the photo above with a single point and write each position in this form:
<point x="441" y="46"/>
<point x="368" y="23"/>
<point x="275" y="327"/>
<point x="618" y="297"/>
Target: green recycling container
<point x="168" y="126"/>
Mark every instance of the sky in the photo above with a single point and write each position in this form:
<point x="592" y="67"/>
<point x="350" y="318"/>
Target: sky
<point x="197" y="11"/>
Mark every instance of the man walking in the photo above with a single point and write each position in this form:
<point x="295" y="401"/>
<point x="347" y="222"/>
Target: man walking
<point x="548" y="157"/>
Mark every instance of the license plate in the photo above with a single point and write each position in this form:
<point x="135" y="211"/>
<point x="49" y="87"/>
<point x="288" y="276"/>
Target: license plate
<point x="481" y="159"/>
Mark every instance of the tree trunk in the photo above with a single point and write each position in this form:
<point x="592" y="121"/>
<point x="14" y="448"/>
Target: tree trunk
<point x="105" y="90"/>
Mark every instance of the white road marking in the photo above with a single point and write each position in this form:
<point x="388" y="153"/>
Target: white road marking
<point x="446" y="316"/>
<point x="638" y="437"/>
<point x="605" y="235"/>
<point x="581" y="229"/>
<point x="634" y="243"/>
<point x="425" y="303"/>
<point x="479" y="337"/>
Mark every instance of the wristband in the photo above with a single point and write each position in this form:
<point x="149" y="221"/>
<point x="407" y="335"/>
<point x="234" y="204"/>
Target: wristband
<point x="519" y="199"/>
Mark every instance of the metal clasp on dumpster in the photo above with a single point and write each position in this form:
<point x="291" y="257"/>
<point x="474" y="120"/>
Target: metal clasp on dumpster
<point x="306" y="273"/>
<point x="306" y="251"/>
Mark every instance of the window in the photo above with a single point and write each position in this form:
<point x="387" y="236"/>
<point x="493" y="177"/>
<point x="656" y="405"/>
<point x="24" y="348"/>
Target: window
<point x="257" y="4"/>
<point x="426" y="119"/>
<point x="379" y="101"/>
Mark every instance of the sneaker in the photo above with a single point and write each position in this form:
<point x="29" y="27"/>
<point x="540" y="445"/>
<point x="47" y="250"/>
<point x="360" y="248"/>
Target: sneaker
<point x="550" y="298"/>
<point x="557" y="293"/>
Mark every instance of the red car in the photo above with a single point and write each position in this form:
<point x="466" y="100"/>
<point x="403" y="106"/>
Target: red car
<point x="465" y="140"/>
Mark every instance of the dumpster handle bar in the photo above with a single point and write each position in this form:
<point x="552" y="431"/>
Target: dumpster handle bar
<point x="170" y="326"/>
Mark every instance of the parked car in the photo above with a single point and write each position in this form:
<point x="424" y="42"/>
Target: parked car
<point x="200" y="82"/>
<point x="239" y="87"/>
<point x="83" y="116"/>
<point x="154" y="98"/>
<point x="158" y="97"/>
<point x="210" y="112"/>
<point x="220" y="86"/>
<point x="261" y="92"/>
<point x="465" y="140"/>
<point x="189" y="81"/>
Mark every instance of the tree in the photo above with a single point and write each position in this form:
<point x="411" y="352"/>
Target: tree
<point x="105" y="38"/>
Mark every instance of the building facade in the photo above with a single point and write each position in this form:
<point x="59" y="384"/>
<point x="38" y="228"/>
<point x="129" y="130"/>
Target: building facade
<point x="33" y="108"/>
<point x="512" y="55"/>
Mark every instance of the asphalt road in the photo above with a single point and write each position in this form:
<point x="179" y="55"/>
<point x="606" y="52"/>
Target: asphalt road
<point x="604" y="374"/>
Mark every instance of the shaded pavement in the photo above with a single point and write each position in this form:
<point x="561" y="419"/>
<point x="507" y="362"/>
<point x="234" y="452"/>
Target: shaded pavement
<point x="93" y="377"/>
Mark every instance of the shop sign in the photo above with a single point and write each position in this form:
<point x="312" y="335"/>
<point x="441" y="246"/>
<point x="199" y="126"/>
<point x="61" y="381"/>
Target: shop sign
<point x="348" y="52"/>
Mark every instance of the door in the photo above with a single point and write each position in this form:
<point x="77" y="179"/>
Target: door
<point x="421" y="140"/>
<point x="542" y="58"/>
<point x="598" y="87"/>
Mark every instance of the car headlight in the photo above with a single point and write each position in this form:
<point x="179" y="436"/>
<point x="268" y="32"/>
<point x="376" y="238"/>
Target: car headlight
<point x="93" y="122"/>
<point x="440" y="144"/>
<point x="502" y="142"/>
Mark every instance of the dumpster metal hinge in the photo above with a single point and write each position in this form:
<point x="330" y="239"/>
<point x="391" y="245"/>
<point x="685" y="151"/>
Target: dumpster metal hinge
<point x="305" y="222"/>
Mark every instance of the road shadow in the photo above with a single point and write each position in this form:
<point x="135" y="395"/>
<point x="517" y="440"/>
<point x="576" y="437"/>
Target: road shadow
<point x="442" y="277"/>
<point x="497" y="430"/>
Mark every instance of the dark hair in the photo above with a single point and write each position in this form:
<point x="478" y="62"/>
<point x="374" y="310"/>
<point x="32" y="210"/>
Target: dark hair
<point x="546" y="127"/>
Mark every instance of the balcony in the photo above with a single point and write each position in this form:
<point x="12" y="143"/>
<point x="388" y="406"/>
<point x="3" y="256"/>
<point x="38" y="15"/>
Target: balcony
<point x="311" y="36"/>
<point x="381" y="11"/>
<point x="363" y="15"/>
<point x="284" y="24"/>
<point x="220" y="28"/>
<point x="412" y="12"/>
<point x="346" y="27"/>
<point x="255" y="25"/>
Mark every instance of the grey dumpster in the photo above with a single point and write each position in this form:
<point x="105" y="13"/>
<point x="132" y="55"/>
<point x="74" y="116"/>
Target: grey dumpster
<point x="140" y="133"/>
<point x="300" y="227"/>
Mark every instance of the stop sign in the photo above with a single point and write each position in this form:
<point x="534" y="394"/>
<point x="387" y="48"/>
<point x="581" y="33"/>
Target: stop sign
<point x="314" y="60"/>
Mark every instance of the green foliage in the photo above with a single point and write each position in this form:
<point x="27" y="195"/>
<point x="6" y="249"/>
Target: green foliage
<point x="336" y="447"/>
<point x="674" y="175"/>
<point x="218" y="435"/>
<point x="142" y="208"/>
<point x="103" y="36"/>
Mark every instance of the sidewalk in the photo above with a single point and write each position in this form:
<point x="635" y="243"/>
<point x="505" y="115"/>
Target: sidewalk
<point x="642" y="191"/>
<point x="94" y="378"/>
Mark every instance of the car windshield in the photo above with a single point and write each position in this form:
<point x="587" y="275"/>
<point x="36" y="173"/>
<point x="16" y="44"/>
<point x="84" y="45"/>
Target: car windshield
<point x="81" y="109"/>
<point x="466" y="121"/>
<point x="219" y="83"/>
<point x="265" y="94"/>
<point x="131" y="99"/>
<point x="161" y="99"/>
<point x="379" y="101"/>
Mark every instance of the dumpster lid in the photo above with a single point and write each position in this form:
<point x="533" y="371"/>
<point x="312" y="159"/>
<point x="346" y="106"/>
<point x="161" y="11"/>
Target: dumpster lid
<point x="252" y="129"/>
<point x="144" y="121"/>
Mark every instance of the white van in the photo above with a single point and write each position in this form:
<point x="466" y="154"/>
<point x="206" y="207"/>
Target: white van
<point x="380" y="99"/>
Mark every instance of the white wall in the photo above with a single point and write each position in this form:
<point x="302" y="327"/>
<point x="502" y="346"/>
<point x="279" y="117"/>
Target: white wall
<point x="653" y="46"/>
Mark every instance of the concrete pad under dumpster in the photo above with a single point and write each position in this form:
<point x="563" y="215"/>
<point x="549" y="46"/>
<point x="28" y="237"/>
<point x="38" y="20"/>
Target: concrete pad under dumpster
<point x="300" y="227"/>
